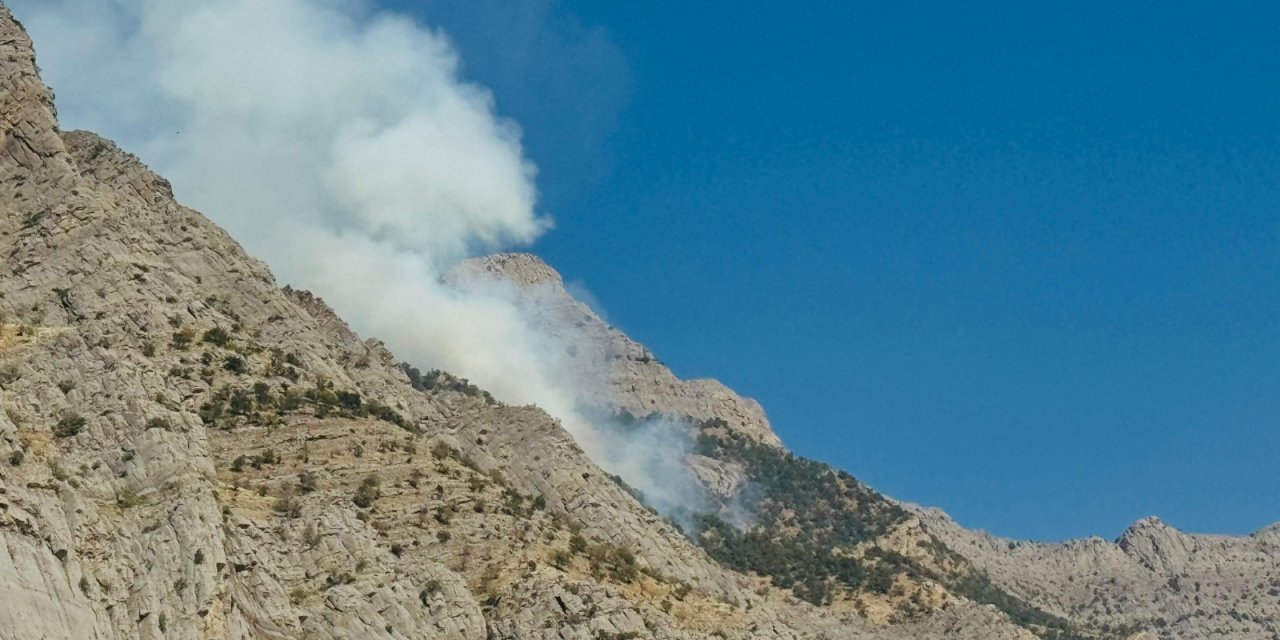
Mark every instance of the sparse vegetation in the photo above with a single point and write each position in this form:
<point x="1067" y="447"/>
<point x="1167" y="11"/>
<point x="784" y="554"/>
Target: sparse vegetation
<point x="367" y="493"/>
<point x="806" y="514"/>
<point x="128" y="498"/>
<point x="311" y="536"/>
<point x="614" y="562"/>
<point x="182" y="339"/>
<point x="216" y="336"/>
<point x="70" y="425"/>
<point x="288" y="505"/>
<point x="437" y="380"/>
<point x="227" y="407"/>
<point x="429" y="589"/>
<point x="159" y="423"/>
<point x="307" y="482"/>
<point x="235" y="364"/>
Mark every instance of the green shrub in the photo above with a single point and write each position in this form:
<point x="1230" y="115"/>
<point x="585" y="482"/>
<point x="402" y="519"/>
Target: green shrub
<point x="69" y="426"/>
<point x="613" y="561"/>
<point x="128" y="498"/>
<point x="367" y="493"/>
<point x="235" y="364"/>
<point x="267" y="457"/>
<point x="307" y="482"/>
<point x="182" y="339"/>
<point x="288" y="506"/>
<point x="443" y="381"/>
<point x="217" y="336"/>
<point x="431" y="588"/>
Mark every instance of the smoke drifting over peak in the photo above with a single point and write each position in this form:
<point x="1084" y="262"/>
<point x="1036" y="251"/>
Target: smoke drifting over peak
<point x="338" y="143"/>
<point x="297" y="111"/>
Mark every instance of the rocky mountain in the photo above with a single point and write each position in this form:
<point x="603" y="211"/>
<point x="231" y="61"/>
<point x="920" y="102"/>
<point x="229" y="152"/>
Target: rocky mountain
<point x="1152" y="577"/>
<point x="188" y="450"/>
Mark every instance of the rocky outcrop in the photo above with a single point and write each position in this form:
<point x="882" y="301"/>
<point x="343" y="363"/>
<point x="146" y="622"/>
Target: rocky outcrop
<point x="1153" y="577"/>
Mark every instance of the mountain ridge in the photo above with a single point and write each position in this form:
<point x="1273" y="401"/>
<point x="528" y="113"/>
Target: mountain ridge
<point x="192" y="451"/>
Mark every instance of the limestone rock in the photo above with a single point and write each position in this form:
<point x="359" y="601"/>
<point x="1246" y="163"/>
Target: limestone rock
<point x="1153" y="578"/>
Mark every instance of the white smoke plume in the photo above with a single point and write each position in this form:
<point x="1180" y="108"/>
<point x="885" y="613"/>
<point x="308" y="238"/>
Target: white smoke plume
<point x="337" y="142"/>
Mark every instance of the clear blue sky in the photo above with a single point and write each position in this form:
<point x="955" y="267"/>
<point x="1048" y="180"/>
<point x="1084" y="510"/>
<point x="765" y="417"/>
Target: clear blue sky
<point x="1020" y="261"/>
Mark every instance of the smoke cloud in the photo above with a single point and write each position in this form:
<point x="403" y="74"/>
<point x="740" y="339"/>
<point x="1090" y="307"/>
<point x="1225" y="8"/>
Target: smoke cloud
<point x="337" y="142"/>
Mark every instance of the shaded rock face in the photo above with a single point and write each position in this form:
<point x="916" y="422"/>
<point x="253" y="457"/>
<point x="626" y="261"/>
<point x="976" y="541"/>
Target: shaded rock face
<point x="188" y="450"/>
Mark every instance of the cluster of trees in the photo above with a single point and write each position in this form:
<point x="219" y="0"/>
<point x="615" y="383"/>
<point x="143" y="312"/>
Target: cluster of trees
<point x="227" y="404"/>
<point x="606" y="560"/>
<point x="444" y="381"/>
<point x="806" y="518"/>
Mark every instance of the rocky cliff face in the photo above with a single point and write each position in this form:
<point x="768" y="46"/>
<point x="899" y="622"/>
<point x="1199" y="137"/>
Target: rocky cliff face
<point x="188" y="450"/>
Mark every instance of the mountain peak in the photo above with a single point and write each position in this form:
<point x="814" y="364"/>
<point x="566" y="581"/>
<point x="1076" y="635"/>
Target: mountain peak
<point x="26" y="104"/>
<point x="522" y="269"/>
<point x="619" y="373"/>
